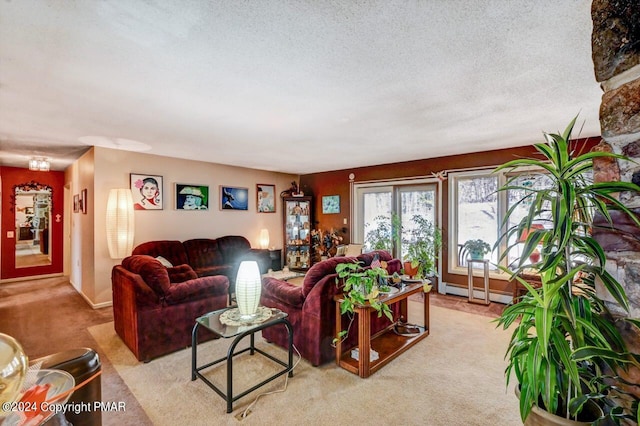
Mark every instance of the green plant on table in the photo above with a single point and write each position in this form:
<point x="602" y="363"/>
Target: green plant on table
<point x="361" y="286"/>
<point x="565" y="348"/>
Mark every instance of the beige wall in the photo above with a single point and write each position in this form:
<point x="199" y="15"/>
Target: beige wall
<point x="91" y="265"/>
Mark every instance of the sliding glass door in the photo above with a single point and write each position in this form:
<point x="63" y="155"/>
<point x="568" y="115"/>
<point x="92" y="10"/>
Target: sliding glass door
<point x="381" y="208"/>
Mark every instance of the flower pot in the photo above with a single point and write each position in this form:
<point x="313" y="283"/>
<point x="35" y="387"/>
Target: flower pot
<point x="540" y="417"/>
<point x="410" y="270"/>
<point x="476" y="254"/>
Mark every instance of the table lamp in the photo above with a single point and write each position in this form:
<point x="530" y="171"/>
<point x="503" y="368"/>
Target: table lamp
<point x="248" y="289"/>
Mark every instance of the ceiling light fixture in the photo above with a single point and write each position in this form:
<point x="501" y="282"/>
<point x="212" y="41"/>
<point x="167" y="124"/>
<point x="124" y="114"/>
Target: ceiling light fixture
<point x="39" y="164"/>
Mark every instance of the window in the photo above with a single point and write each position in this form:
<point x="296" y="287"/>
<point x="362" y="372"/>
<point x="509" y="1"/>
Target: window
<point x="477" y="209"/>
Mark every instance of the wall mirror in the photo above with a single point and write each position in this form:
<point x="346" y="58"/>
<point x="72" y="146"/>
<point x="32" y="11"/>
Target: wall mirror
<point x="32" y="224"/>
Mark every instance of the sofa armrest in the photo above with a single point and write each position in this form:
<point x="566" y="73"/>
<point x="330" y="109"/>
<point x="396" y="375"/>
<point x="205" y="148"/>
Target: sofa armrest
<point x="198" y="288"/>
<point x="139" y="293"/>
<point x="283" y="291"/>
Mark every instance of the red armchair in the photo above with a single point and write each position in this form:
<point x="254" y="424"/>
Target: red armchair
<point x="154" y="307"/>
<point x="312" y="310"/>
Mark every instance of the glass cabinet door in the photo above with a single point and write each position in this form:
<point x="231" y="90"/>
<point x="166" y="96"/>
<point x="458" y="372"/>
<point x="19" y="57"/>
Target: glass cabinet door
<point x="297" y="232"/>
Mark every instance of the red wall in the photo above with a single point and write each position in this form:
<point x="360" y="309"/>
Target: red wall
<point x="337" y="183"/>
<point x="16" y="176"/>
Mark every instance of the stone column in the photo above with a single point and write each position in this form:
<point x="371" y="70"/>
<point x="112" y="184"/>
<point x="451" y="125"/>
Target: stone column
<point x="616" y="57"/>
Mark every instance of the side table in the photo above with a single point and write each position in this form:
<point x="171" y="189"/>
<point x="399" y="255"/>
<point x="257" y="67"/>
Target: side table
<point x="211" y="321"/>
<point x="485" y="263"/>
<point x="276" y="259"/>
<point x="387" y="343"/>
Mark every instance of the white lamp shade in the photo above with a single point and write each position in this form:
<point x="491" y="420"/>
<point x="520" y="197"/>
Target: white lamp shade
<point x="264" y="239"/>
<point x="248" y="287"/>
<point x="120" y="223"/>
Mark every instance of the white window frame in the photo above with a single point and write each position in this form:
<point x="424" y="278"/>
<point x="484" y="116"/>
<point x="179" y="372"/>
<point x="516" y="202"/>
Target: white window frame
<point x="501" y="209"/>
<point x="357" y="211"/>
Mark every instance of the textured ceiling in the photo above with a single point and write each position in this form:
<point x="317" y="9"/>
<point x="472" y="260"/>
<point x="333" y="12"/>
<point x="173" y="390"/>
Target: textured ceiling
<point x="291" y="86"/>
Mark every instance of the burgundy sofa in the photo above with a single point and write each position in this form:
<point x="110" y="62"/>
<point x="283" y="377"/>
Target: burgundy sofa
<point x="312" y="310"/>
<point x="155" y="307"/>
<point x="206" y="256"/>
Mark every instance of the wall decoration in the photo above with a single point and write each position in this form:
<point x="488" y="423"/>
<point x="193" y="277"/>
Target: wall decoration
<point x="146" y="191"/>
<point x="266" y="198"/>
<point x="83" y="201"/>
<point x="234" y="198"/>
<point x="330" y="204"/>
<point x="76" y="203"/>
<point x="192" y="197"/>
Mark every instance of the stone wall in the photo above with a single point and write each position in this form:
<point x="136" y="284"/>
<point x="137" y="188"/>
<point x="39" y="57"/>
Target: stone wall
<point x="616" y="57"/>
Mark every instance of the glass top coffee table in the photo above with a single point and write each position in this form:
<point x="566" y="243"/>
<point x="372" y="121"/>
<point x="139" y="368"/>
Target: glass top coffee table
<point x="212" y="321"/>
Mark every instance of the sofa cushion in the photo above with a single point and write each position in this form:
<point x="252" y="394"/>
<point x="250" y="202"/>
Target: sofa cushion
<point x="150" y="270"/>
<point x="198" y="288"/>
<point x="171" y="250"/>
<point x="203" y="253"/>
<point x="181" y="273"/>
<point x="164" y="262"/>
<point x="232" y="247"/>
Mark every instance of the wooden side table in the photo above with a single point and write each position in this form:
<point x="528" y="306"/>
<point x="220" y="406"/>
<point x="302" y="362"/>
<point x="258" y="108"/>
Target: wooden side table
<point x="387" y="343"/>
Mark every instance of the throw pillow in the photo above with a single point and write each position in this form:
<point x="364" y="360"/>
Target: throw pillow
<point x="164" y="262"/>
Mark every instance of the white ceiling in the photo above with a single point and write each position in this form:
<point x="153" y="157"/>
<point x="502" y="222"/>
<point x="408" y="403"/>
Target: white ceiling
<point x="291" y="86"/>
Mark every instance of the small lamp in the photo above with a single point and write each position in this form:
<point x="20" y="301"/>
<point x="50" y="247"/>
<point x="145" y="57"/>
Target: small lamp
<point x="248" y="288"/>
<point x="120" y="223"/>
<point x="264" y="239"/>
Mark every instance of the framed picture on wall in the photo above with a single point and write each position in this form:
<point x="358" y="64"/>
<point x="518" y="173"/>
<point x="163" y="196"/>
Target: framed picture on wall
<point x="146" y="191"/>
<point x="83" y="201"/>
<point x="232" y="198"/>
<point x="266" y="202"/>
<point x="76" y="203"/>
<point x="330" y="204"/>
<point x="192" y="197"/>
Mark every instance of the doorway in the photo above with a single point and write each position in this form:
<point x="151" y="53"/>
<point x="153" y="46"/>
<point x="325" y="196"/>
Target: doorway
<point x="32" y="223"/>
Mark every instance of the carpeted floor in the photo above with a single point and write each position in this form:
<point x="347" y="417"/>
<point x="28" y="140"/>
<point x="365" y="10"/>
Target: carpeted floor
<point x="48" y="315"/>
<point x="453" y="377"/>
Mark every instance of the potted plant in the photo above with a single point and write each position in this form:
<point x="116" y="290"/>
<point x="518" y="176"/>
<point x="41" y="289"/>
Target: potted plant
<point x="565" y="349"/>
<point x="360" y="287"/>
<point x="477" y="248"/>
<point x="423" y="245"/>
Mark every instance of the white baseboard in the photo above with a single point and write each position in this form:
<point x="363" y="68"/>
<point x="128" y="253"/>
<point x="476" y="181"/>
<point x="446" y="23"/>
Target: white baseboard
<point x="461" y="291"/>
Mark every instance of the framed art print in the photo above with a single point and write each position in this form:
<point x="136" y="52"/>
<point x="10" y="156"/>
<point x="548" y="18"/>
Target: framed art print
<point x="266" y="202"/>
<point x="146" y="191"/>
<point x="76" y="203"/>
<point x="234" y="198"/>
<point x="192" y="197"/>
<point x="330" y="204"/>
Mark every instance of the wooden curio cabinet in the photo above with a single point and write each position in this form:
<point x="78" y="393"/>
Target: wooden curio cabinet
<point x="297" y="226"/>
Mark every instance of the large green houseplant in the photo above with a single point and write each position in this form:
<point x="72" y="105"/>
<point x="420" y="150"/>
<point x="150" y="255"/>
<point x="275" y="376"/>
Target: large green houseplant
<point x="565" y="348"/>
<point x="423" y="245"/>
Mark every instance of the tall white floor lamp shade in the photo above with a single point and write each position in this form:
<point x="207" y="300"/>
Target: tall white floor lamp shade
<point x="120" y="223"/>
